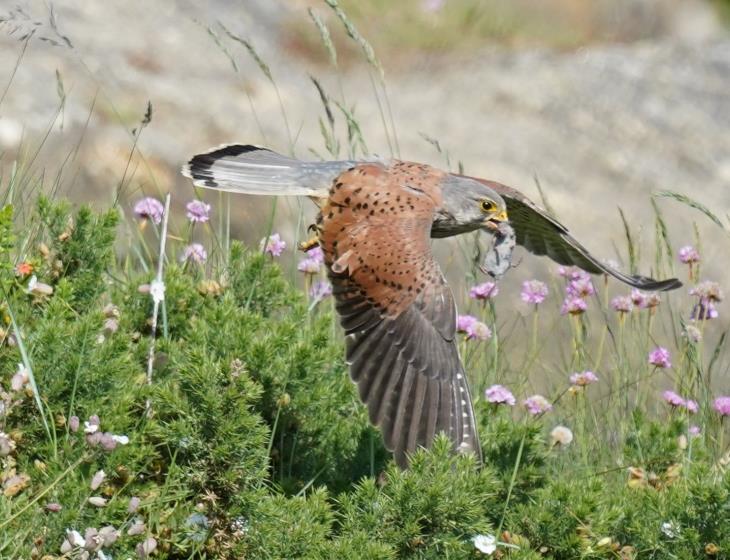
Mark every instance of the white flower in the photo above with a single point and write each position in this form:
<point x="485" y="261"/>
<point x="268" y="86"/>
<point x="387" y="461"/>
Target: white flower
<point x="485" y="543"/>
<point x="74" y="538"/>
<point x="561" y="435"/>
<point x="97" y="479"/>
<point x="38" y="288"/>
<point x="157" y="291"/>
<point x="670" y="529"/>
<point x="121" y="440"/>
<point x="7" y="445"/>
<point x="90" y="428"/>
<point x="97" y="501"/>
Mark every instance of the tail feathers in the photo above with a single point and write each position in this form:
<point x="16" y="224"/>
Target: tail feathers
<point x="251" y="169"/>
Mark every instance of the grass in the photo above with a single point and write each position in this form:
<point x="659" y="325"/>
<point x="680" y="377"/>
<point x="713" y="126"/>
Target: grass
<point x="246" y="438"/>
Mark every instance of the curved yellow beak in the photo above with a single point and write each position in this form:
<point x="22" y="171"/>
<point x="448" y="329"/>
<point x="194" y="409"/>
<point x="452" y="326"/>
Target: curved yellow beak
<point x="501" y="217"/>
<point x="492" y="223"/>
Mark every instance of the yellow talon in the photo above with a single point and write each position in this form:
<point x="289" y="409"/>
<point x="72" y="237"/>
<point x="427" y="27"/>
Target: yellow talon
<point x="308" y="244"/>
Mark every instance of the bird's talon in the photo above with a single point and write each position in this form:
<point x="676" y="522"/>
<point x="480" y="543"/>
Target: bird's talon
<point x="305" y="246"/>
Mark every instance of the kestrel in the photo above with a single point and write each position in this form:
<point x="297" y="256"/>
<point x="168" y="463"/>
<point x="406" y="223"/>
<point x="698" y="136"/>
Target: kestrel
<point x="375" y="224"/>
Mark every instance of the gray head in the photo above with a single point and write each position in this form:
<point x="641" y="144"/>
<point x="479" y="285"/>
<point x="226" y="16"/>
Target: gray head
<point x="467" y="206"/>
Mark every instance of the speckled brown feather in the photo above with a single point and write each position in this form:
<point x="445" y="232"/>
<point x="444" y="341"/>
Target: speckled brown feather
<point x="398" y="313"/>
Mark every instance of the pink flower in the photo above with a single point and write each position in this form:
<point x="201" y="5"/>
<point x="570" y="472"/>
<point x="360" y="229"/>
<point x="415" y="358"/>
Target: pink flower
<point x="722" y="406"/>
<point x="197" y="211"/>
<point x="484" y="291"/>
<point x="194" y="252"/>
<point x="275" y="246"/>
<point x="316" y="254"/>
<point x="689" y="255"/>
<point x="499" y="394"/>
<point x="74" y="423"/>
<point x="573" y="305"/>
<point x="463" y="322"/>
<point x="638" y="298"/>
<point x="691" y="406"/>
<point x="673" y="399"/>
<point x="473" y="328"/>
<point x="53" y="507"/>
<point x="478" y="331"/>
<point x="320" y="290"/>
<point x="580" y="287"/>
<point x="584" y="378"/>
<point x="309" y="266"/>
<point x="534" y="291"/>
<point x="149" y="209"/>
<point x="660" y="358"/>
<point x="707" y="290"/>
<point x="537" y="404"/>
<point x="708" y="293"/>
<point x="694" y="430"/>
<point x="622" y="304"/>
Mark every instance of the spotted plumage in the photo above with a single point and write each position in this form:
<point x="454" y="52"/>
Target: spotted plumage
<point x="375" y="225"/>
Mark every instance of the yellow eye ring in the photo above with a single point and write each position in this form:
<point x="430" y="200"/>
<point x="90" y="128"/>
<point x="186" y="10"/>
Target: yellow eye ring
<point x="487" y="206"/>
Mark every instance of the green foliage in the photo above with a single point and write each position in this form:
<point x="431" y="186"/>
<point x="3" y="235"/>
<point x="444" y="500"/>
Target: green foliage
<point x="250" y="441"/>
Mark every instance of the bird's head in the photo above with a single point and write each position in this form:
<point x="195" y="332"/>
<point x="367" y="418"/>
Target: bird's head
<point x="467" y="205"/>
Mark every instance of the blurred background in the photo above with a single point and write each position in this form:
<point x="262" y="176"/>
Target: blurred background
<point x="604" y="102"/>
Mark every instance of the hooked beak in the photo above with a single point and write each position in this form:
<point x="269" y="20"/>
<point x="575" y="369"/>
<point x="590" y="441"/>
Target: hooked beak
<point x="492" y="223"/>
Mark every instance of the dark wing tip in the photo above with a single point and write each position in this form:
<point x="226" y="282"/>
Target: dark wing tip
<point x="651" y="285"/>
<point x="199" y="166"/>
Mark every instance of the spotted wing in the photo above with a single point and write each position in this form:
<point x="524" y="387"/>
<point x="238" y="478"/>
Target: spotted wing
<point x="398" y="313"/>
<point x="542" y="234"/>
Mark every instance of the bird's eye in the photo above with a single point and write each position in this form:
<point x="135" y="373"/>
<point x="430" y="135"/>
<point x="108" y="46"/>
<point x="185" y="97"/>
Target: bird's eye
<point x="487" y="205"/>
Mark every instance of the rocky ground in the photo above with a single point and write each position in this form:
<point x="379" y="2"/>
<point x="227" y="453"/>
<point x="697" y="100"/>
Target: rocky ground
<point x="602" y="126"/>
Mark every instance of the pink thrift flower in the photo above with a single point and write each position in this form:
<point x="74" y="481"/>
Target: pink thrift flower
<point x="463" y="322"/>
<point x="316" y="254"/>
<point x="275" y="246"/>
<point x="622" y="304"/>
<point x="722" y="406"/>
<point x="320" y="290"/>
<point x="580" y="287"/>
<point x="197" y="211"/>
<point x="534" y="291"/>
<point x="584" y="378"/>
<point x="660" y="358"/>
<point x="652" y="299"/>
<point x="499" y="394"/>
<point x="309" y="266"/>
<point x="537" y="404"/>
<point x="573" y="305"/>
<point x="707" y="290"/>
<point x="694" y="430"/>
<point x="54" y="507"/>
<point x="689" y="255"/>
<point x="478" y="331"/>
<point x="484" y="291"/>
<point x="691" y="406"/>
<point x="149" y="209"/>
<point x="673" y="399"/>
<point x="638" y="298"/>
<point x="194" y="252"/>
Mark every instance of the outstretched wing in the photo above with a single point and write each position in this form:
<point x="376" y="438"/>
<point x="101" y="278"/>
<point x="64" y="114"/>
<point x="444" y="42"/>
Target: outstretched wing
<point x="398" y="313"/>
<point x="541" y="234"/>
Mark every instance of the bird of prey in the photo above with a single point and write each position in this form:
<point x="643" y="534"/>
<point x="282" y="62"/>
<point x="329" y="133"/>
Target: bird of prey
<point x="375" y="224"/>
